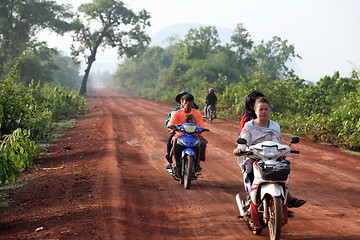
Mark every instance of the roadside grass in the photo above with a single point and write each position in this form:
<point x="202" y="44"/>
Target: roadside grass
<point x="351" y="152"/>
<point x="64" y="125"/>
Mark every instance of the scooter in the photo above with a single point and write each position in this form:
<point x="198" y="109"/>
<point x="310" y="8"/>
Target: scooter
<point x="269" y="190"/>
<point x="189" y="145"/>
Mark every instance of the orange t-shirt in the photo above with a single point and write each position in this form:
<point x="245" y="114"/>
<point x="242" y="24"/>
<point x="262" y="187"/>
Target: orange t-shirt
<point x="179" y="118"/>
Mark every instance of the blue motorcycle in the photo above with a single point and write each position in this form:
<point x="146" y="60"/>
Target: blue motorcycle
<point x="188" y="144"/>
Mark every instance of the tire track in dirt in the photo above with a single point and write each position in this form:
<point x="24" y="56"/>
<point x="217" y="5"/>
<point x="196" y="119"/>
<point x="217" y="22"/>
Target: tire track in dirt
<point x="111" y="188"/>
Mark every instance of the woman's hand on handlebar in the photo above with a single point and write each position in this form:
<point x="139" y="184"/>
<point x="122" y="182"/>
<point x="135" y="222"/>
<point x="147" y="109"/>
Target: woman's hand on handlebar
<point x="237" y="152"/>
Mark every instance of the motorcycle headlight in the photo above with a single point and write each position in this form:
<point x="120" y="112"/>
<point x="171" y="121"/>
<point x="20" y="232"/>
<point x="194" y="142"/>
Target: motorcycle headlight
<point x="270" y="152"/>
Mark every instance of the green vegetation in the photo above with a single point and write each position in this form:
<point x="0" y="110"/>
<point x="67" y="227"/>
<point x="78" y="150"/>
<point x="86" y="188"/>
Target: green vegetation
<point x="20" y="21"/>
<point x="327" y="111"/>
<point x="27" y="117"/>
<point x="36" y="94"/>
<point x="16" y="153"/>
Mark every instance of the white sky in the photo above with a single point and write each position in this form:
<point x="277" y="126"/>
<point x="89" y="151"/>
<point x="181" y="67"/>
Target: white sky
<point x="325" y="33"/>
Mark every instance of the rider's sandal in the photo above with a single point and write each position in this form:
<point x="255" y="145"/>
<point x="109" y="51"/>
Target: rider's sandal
<point x="296" y="203"/>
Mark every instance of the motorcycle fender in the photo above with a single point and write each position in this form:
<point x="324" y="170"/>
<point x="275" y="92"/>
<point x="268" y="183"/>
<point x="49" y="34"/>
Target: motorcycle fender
<point x="189" y="152"/>
<point x="271" y="189"/>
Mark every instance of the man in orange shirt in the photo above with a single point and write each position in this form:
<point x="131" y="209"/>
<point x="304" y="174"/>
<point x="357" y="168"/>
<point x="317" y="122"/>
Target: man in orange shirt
<point x="187" y="102"/>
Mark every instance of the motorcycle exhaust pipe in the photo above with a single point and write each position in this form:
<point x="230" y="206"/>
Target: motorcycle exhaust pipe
<point x="240" y="206"/>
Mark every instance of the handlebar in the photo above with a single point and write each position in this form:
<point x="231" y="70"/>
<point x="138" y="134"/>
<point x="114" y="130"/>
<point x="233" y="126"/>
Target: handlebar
<point x="245" y="153"/>
<point x="176" y="129"/>
<point x="294" y="151"/>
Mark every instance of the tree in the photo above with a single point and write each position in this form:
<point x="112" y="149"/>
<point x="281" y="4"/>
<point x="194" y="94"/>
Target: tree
<point x="242" y="45"/>
<point x="119" y="27"/>
<point x="20" y="21"/>
<point x="199" y="43"/>
<point x="67" y="72"/>
<point x="271" y="58"/>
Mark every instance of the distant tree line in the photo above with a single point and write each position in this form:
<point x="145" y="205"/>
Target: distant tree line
<point x="21" y="21"/>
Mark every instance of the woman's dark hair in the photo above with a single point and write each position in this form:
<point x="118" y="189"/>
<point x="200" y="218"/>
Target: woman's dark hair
<point x="250" y="100"/>
<point x="262" y="100"/>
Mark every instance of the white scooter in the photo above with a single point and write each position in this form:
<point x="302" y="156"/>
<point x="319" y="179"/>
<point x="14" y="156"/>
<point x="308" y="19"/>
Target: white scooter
<point x="269" y="190"/>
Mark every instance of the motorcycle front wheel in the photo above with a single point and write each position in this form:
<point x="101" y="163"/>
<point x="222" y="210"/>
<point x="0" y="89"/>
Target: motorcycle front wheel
<point x="189" y="164"/>
<point x="275" y="218"/>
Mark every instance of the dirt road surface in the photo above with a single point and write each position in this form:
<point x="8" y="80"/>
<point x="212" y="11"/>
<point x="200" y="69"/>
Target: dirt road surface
<point x="106" y="179"/>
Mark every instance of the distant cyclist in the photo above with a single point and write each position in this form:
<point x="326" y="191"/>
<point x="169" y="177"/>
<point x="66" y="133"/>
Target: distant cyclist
<point x="211" y="99"/>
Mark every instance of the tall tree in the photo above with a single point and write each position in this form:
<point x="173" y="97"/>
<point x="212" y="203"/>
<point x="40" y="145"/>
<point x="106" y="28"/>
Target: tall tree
<point x="272" y="57"/>
<point x="242" y="44"/>
<point x="200" y="42"/>
<point x="119" y="27"/>
<point x="20" y="21"/>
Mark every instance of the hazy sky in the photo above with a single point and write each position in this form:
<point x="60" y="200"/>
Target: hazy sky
<point x="325" y="33"/>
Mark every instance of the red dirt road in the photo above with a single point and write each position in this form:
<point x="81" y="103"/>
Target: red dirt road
<point x="106" y="179"/>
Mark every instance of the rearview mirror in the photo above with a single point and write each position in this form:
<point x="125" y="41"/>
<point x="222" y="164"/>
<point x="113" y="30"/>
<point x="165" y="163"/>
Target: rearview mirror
<point x="295" y="140"/>
<point x="241" y="141"/>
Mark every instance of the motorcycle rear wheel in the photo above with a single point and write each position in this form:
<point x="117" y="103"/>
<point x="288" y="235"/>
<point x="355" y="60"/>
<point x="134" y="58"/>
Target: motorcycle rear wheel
<point x="209" y="116"/>
<point x="189" y="163"/>
<point x="275" y="220"/>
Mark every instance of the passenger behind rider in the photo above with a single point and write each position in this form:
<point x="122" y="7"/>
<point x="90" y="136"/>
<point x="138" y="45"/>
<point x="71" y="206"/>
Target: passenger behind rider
<point x="187" y="102"/>
<point x="249" y="108"/>
<point x="210" y="99"/>
<point x="168" y="156"/>
<point x="256" y="131"/>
